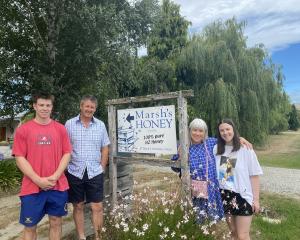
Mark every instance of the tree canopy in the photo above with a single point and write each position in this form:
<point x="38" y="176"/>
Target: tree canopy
<point x="74" y="47"/>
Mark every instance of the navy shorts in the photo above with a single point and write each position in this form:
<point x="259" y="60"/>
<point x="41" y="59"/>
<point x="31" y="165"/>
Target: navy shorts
<point x="234" y="204"/>
<point x="85" y="189"/>
<point x="35" y="206"/>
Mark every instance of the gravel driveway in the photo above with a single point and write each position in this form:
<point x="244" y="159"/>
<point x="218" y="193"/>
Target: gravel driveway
<point x="281" y="180"/>
<point x="274" y="180"/>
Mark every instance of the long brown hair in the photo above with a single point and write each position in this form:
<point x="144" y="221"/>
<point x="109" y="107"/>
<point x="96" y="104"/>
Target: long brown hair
<point x="235" y="141"/>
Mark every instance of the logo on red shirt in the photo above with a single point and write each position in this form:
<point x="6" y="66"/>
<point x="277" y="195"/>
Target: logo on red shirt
<point x="43" y="140"/>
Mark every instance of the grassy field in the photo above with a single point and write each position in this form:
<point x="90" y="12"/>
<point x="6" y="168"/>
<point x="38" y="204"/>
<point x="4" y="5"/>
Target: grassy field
<point x="286" y="210"/>
<point x="283" y="160"/>
<point x="282" y="150"/>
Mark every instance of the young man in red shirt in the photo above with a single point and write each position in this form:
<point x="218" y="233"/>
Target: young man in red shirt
<point x="42" y="149"/>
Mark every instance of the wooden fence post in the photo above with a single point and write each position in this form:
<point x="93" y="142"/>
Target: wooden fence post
<point x="184" y="143"/>
<point x="112" y="151"/>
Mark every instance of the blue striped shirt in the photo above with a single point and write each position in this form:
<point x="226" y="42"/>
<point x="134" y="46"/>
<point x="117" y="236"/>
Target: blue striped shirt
<point x="86" y="144"/>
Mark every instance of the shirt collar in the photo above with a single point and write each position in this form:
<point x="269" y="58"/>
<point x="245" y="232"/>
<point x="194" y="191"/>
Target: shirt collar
<point x="79" y="121"/>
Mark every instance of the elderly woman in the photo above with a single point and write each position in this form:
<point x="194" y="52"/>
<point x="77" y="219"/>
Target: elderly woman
<point x="203" y="167"/>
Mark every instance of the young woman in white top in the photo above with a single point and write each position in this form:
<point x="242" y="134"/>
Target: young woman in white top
<point x="238" y="173"/>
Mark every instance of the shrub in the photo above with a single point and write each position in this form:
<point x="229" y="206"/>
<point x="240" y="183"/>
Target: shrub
<point x="10" y="175"/>
<point x="155" y="215"/>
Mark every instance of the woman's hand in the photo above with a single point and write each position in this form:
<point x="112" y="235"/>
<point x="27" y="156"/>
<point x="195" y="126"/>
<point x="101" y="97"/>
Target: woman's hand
<point x="255" y="206"/>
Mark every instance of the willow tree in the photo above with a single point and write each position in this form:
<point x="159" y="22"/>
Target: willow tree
<point x="232" y="80"/>
<point x="217" y="101"/>
<point x="209" y="68"/>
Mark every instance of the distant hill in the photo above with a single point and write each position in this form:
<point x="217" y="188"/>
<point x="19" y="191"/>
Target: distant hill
<point x="297" y="106"/>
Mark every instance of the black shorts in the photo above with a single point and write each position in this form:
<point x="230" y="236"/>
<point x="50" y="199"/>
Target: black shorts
<point x="234" y="204"/>
<point x="85" y="189"/>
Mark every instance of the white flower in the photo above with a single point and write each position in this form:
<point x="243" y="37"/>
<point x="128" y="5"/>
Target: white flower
<point x="162" y="236"/>
<point x="205" y="229"/>
<point x="166" y="229"/>
<point x="145" y="227"/>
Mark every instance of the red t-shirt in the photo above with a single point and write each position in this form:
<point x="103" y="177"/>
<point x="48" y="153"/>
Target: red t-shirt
<point x="43" y="146"/>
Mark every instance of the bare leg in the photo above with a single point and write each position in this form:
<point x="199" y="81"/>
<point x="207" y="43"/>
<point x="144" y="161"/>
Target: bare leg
<point x="79" y="219"/>
<point x="243" y="224"/>
<point x="55" y="228"/>
<point x="30" y="233"/>
<point x="97" y="218"/>
<point x="231" y="224"/>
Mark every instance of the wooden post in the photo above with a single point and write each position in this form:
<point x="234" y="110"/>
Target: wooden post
<point x="112" y="151"/>
<point x="183" y="137"/>
<point x="184" y="143"/>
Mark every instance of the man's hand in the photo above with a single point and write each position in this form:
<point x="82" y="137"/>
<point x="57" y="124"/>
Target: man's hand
<point x="53" y="178"/>
<point x="45" y="183"/>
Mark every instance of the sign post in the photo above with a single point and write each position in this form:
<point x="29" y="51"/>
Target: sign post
<point x="148" y="130"/>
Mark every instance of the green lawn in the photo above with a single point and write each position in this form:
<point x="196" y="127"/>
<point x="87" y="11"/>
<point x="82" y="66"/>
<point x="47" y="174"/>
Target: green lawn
<point x="285" y="209"/>
<point x="290" y="160"/>
<point x="283" y="151"/>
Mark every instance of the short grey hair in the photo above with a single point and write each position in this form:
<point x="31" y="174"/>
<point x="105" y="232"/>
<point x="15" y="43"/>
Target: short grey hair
<point x="91" y="98"/>
<point x="198" y="123"/>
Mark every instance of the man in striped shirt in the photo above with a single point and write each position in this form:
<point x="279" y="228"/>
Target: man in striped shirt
<point x="89" y="158"/>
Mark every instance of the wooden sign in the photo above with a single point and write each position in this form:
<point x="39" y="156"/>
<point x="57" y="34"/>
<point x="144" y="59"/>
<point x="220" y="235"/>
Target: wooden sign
<point x="147" y="130"/>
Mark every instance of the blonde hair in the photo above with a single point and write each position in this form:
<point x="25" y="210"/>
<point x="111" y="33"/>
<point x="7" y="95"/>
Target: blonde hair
<point x="198" y="123"/>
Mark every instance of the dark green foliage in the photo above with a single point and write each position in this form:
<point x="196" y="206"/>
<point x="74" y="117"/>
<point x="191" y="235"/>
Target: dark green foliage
<point x="294" y="121"/>
<point x="169" y="34"/>
<point x="69" y="48"/>
<point x="10" y="175"/>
